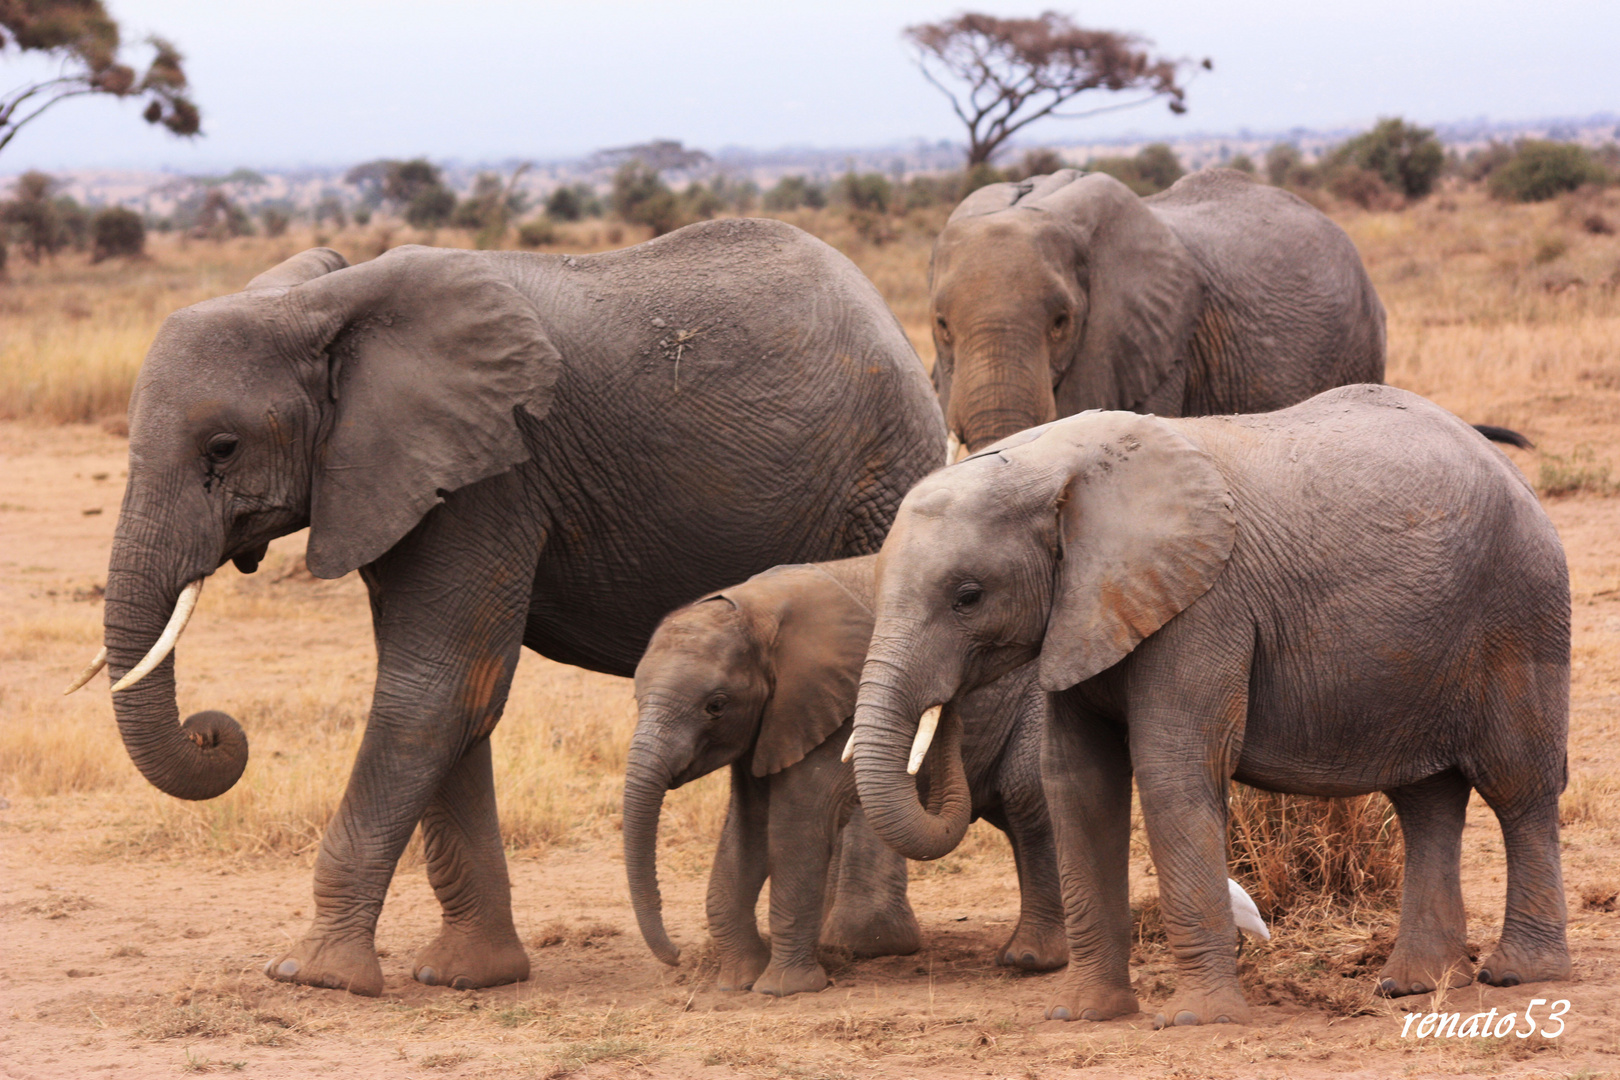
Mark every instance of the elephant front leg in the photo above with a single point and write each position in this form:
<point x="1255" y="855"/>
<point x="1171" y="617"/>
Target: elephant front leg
<point x="870" y="915"/>
<point x="1038" y="942"/>
<point x="1087" y="775"/>
<point x="738" y="874"/>
<point x="381" y="805"/>
<point x="477" y="944"/>
<point x="803" y="823"/>
<point x="448" y="606"/>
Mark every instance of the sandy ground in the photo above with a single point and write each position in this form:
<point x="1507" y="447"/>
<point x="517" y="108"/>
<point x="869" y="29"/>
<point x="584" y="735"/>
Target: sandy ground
<point x="120" y="962"/>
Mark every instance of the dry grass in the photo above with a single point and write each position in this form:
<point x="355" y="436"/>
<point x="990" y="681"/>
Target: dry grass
<point x="1294" y="853"/>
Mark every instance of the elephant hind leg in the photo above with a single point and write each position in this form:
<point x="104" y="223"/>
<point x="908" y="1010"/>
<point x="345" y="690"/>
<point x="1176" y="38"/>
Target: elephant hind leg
<point x="477" y="944"/>
<point x="1432" y="949"/>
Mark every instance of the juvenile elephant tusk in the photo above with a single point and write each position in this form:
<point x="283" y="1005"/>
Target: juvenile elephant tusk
<point x="183" y="607"/>
<point x="89" y="672"/>
<point x="849" y="749"/>
<point x="925" y="735"/>
<point x="955" y="449"/>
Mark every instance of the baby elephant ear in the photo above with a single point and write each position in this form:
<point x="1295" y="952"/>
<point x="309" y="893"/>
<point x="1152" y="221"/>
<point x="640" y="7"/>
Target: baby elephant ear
<point x="425" y="355"/>
<point x="821" y="639"/>
<point x="1146" y="526"/>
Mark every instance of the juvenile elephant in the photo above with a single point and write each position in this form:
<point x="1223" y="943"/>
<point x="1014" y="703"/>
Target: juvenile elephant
<point x="1354" y="594"/>
<point x="513" y="449"/>
<point x="762" y="677"/>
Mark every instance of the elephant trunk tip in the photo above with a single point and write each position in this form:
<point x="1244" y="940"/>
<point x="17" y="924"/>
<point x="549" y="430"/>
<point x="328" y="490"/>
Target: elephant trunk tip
<point x="220" y="758"/>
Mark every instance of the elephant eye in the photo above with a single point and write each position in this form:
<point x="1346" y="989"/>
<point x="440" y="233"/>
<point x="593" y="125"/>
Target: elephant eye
<point x="222" y="447"/>
<point x="968" y="596"/>
<point x="716" y="705"/>
<point x="944" y="329"/>
<point x="1061" y="323"/>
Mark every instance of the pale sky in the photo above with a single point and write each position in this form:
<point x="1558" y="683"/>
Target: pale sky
<point x="331" y="82"/>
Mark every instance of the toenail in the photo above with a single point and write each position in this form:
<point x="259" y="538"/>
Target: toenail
<point x="1029" y="959"/>
<point x="427" y="976"/>
<point x="1159" y="1021"/>
<point x="1223" y="1019"/>
<point x="461" y="982"/>
<point x="1091" y="1014"/>
<point x="1510" y="979"/>
<point x="1186" y="1019"/>
<point x="1060" y="1012"/>
<point x="1419" y="988"/>
<point x="1388" y="987"/>
<point x="287" y="967"/>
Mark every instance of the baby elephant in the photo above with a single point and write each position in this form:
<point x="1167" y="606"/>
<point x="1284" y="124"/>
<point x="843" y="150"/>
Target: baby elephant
<point x="763" y="677"/>
<point x="1354" y="594"/>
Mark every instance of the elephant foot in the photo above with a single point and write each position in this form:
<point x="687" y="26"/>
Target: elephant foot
<point x="1190" y="1007"/>
<point x="740" y="972"/>
<point x="867" y="933"/>
<point x="336" y="963"/>
<point x="1035" y="948"/>
<point x="1092" y="1002"/>
<point x="1514" y="962"/>
<point x="779" y="981"/>
<point x="468" y="962"/>
<point x="1413" y="971"/>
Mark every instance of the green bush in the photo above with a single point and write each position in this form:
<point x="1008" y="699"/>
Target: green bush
<point x="1286" y="167"/>
<point x="275" y="221"/>
<point x="792" y="192"/>
<point x="699" y="201"/>
<point x="640" y="197"/>
<point x="1363" y="187"/>
<point x="430" y="207"/>
<point x="870" y="192"/>
<point x="1539" y="170"/>
<point x="977" y="176"/>
<point x="1042" y="161"/>
<point x="1242" y="163"/>
<point x="116" y="230"/>
<point x="573" y="202"/>
<point x="1154" y="168"/>
<point x="1406" y="157"/>
<point x="537" y="232"/>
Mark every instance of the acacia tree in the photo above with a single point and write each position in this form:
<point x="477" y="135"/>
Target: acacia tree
<point x="1017" y="71"/>
<point x="85" y="42"/>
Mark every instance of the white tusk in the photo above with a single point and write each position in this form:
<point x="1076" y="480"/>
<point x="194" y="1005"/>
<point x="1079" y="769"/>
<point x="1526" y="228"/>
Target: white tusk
<point x="183" y="608"/>
<point x="953" y="447"/>
<point x="88" y="673"/>
<point x="849" y="749"/>
<point x="925" y="735"/>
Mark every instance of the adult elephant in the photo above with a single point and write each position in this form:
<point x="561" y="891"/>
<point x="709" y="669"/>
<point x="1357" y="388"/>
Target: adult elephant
<point x="513" y="449"/>
<point x="1067" y="292"/>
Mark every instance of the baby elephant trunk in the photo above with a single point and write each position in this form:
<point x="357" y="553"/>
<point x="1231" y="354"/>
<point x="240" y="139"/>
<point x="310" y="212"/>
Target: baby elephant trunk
<point x="647" y="776"/>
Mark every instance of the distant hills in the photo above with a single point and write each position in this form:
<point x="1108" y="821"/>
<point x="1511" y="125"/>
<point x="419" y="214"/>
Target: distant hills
<point x="156" y="194"/>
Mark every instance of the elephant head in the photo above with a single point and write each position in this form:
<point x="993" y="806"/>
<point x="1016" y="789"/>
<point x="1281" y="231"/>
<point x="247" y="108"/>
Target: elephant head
<point x="765" y="671"/>
<point x="345" y="399"/>
<point x="1073" y="542"/>
<point x="1051" y="296"/>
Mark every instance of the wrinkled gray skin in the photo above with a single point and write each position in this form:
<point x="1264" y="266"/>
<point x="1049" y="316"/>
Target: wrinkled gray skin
<point x="1067" y="292"/>
<point x="762" y="677"/>
<point x="514" y="450"/>
<point x="1354" y="594"/>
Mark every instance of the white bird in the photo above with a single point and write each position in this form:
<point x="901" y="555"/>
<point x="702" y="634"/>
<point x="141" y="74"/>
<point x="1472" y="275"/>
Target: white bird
<point x="1244" y="913"/>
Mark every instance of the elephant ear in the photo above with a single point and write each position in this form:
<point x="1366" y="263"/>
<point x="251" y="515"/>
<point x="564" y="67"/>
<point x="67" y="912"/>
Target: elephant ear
<point x="1144" y="294"/>
<point x="428" y="353"/>
<point x="302" y="267"/>
<point x="1145" y="526"/>
<point x="822" y="632"/>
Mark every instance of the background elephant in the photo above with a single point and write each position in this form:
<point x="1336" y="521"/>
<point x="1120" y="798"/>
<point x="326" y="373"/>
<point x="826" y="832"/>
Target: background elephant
<point x="1068" y="292"/>
<point x="514" y="450"/>
<point x="1354" y="594"/>
<point x="762" y="677"/>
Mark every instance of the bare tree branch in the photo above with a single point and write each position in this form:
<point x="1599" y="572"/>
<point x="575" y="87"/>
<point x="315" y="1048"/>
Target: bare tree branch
<point x="1017" y="71"/>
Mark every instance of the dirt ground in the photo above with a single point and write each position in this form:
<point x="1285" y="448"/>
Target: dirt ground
<point x="121" y="959"/>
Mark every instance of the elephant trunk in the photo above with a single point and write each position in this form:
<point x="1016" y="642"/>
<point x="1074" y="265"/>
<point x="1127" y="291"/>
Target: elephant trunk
<point x="199" y="759"/>
<point x="1002" y="384"/>
<point x="647" y="778"/>
<point x="886" y="724"/>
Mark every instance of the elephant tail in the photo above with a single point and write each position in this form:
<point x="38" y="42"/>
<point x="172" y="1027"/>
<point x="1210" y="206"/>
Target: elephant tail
<point x="1504" y="435"/>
